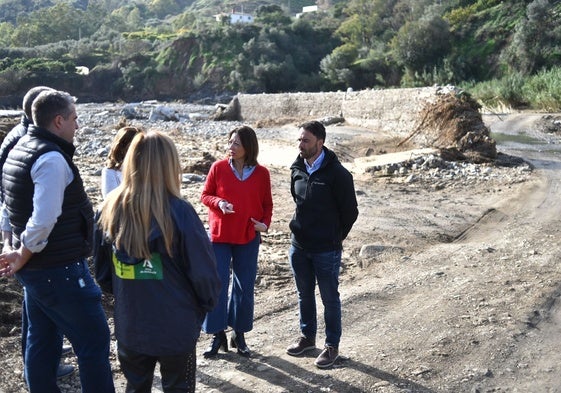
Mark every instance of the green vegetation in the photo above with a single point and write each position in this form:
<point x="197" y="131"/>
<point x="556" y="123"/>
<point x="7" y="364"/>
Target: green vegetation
<point x="540" y="91"/>
<point x="504" y="53"/>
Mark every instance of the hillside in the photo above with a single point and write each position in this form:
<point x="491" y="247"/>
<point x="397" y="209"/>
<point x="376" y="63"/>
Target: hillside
<point x="110" y="50"/>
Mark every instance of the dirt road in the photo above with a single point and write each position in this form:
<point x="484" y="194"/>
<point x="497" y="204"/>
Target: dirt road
<point x="477" y="312"/>
<point x="460" y="295"/>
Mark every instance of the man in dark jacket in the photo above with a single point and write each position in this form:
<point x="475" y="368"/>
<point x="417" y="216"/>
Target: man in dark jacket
<point x="52" y="223"/>
<point x="326" y="209"/>
<point x="20" y="129"/>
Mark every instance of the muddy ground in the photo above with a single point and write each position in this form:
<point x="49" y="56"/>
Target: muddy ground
<point x="460" y="292"/>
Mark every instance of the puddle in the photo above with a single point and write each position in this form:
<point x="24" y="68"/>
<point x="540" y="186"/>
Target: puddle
<point x="522" y="144"/>
<point x="517" y="138"/>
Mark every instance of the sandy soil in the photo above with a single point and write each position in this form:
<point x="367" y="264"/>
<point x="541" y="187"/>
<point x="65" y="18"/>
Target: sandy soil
<point x="460" y="295"/>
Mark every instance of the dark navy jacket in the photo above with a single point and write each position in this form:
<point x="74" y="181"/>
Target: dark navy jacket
<point x="326" y="206"/>
<point x="160" y="304"/>
<point x="9" y="142"/>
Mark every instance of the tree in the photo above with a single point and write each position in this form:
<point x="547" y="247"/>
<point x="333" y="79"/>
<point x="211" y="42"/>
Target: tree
<point x="126" y="18"/>
<point x="361" y="27"/>
<point x="337" y="66"/>
<point x="422" y="44"/>
<point x="57" y="23"/>
<point x="535" y="43"/>
<point x="10" y="10"/>
<point x="6" y="31"/>
<point x="164" y="8"/>
<point x="272" y="15"/>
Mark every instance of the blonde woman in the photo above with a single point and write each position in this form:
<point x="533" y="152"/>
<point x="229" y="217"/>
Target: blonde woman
<point x="111" y="175"/>
<point x="164" y="276"/>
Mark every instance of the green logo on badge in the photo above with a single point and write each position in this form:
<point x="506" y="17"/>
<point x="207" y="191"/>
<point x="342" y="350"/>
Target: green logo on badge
<point x="148" y="269"/>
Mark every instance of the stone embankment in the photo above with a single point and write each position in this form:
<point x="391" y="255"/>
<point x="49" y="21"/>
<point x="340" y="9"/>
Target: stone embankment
<point x="394" y="110"/>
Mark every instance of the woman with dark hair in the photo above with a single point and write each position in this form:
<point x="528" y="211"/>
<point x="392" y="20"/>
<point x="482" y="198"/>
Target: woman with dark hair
<point x="111" y="175"/>
<point x="237" y="193"/>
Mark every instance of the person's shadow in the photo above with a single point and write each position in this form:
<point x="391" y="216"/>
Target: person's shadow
<point x="274" y="370"/>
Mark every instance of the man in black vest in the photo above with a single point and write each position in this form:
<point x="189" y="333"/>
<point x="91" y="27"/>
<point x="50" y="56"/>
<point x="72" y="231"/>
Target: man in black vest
<point x="52" y="223"/>
<point x="8" y="143"/>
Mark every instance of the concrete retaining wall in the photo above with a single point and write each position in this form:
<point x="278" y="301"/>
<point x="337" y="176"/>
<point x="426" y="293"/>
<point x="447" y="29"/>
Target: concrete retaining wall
<point x="392" y="110"/>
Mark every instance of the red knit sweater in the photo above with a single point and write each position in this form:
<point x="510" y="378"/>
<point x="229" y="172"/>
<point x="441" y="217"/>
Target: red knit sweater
<point x="251" y="199"/>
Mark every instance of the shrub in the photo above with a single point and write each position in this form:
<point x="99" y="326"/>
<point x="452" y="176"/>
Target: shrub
<point x="543" y="90"/>
<point x="540" y="92"/>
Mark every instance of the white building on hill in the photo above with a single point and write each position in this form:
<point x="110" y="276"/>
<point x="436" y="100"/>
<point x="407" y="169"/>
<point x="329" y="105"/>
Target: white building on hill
<point x="234" y="17"/>
<point x="309" y="8"/>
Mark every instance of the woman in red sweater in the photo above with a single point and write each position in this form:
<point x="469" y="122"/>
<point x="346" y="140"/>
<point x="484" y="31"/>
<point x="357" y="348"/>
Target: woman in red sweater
<point x="237" y="193"/>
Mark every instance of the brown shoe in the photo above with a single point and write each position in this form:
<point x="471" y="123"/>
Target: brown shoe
<point x="327" y="357"/>
<point x="301" y="345"/>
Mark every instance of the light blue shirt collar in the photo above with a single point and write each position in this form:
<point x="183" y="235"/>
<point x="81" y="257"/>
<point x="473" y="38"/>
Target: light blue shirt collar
<point x="246" y="172"/>
<point x="317" y="163"/>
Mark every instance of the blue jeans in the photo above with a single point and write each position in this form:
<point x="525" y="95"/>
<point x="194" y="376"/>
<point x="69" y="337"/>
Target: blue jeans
<point x="24" y="325"/>
<point x="237" y="311"/>
<point x="65" y="300"/>
<point x="324" y="267"/>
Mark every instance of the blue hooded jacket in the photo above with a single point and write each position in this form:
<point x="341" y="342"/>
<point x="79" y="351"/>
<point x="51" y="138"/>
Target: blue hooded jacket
<point x="160" y="303"/>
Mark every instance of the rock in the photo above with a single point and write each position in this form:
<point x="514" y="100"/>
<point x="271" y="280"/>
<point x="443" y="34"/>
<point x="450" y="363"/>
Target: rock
<point x="371" y="250"/>
<point x="163" y="113"/>
<point x="231" y="112"/>
<point x="198" y="116"/>
<point x="327" y="121"/>
<point x="129" y="111"/>
<point x="375" y="250"/>
<point x="192" y="178"/>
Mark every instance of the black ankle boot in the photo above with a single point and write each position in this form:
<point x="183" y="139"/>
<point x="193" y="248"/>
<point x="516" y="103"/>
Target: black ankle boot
<point x="218" y="341"/>
<point x="237" y="340"/>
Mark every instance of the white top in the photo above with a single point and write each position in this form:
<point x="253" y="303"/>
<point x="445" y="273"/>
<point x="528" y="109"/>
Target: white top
<point x="51" y="174"/>
<point x="110" y="179"/>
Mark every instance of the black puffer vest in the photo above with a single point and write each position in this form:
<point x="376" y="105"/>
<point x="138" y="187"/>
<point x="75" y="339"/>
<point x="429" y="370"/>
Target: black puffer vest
<point x="10" y="141"/>
<point x="71" y="237"/>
